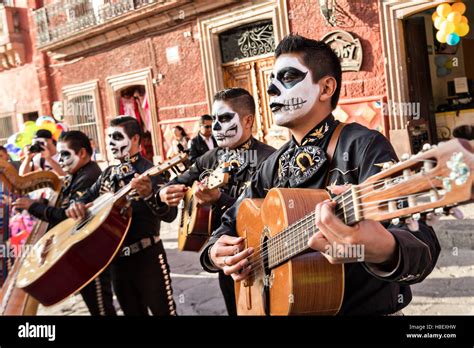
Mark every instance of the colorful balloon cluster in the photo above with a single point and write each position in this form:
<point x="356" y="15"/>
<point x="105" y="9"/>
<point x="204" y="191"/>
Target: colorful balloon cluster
<point x="451" y="23"/>
<point x="24" y="137"/>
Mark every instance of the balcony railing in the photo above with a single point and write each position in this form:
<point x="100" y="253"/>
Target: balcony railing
<point x="64" y="18"/>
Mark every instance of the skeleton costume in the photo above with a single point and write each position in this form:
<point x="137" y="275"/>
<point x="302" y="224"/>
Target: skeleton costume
<point x="359" y="154"/>
<point x="247" y="157"/>
<point x="98" y="294"/>
<point x="140" y="272"/>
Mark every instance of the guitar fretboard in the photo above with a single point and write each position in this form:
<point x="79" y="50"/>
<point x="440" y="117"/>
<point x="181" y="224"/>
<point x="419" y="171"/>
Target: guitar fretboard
<point x="294" y="239"/>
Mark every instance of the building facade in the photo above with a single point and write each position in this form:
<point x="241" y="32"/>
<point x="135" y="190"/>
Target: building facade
<point x="86" y="61"/>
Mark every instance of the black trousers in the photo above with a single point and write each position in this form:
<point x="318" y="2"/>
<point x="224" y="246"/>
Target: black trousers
<point x="226" y="284"/>
<point x="98" y="295"/>
<point x="142" y="282"/>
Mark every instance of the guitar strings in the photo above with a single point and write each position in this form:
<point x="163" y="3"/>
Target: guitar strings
<point x="303" y="227"/>
<point x="341" y="199"/>
<point x="103" y="200"/>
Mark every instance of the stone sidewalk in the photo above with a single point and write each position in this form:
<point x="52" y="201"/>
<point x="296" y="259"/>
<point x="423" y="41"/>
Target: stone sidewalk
<point x="449" y="290"/>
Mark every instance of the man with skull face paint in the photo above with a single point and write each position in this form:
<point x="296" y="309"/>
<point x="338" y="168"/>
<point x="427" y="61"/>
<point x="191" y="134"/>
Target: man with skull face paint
<point x="140" y="272"/>
<point x="304" y="89"/>
<point x="233" y="115"/>
<point x="75" y="151"/>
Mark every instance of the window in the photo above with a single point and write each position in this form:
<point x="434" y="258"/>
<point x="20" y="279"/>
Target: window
<point x="82" y="111"/>
<point x="6" y="128"/>
<point x="247" y="41"/>
<point x="80" y="115"/>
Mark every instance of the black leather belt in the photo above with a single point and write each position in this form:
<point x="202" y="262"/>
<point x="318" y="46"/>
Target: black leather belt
<point x="139" y="246"/>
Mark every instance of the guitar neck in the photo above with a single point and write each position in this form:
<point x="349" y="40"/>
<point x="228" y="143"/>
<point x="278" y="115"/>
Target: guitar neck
<point x="427" y="182"/>
<point x="293" y="240"/>
<point x="153" y="171"/>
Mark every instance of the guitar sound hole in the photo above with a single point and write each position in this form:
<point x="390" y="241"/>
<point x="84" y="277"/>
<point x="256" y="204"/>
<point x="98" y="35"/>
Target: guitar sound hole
<point x="82" y="223"/>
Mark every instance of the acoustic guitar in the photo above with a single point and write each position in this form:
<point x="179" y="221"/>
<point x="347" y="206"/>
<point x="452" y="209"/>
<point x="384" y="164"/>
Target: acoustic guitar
<point x="73" y="253"/>
<point x="15" y="301"/>
<point x="288" y="278"/>
<point x="196" y="220"/>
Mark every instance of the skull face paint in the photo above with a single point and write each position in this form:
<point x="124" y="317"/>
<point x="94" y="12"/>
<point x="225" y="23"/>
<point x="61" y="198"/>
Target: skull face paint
<point x="226" y="126"/>
<point x="68" y="159"/>
<point x="118" y="142"/>
<point x="292" y="91"/>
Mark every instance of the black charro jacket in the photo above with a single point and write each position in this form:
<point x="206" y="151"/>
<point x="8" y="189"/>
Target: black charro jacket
<point x="251" y="154"/>
<point x="198" y="147"/>
<point x="146" y="214"/>
<point x="360" y="154"/>
<point x="73" y="188"/>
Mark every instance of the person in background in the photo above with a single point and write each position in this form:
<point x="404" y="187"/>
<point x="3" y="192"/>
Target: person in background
<point x="204" y="141"/>
<point x="42" y="155"/>
<point x="94" y="149"/>
<point x="75" y="152"/>
<point x="6" y="157"/>
<point x="179" y="143"/>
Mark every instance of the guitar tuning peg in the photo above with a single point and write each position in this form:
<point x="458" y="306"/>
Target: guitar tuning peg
<point x="416" y="216"/>
<point x="439" y="211"/>
<point x="412" y="224"/>
<point x="386" y="165"/>
<point x="405" y="156"/>
<point x="457" y="213"/>
<point x="395" y="221"/>
<point x="426" y="147"/>
<point x="432" y="219"/>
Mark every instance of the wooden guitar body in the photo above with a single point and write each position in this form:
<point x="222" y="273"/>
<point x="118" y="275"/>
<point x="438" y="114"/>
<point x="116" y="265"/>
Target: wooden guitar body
<point x="195" y="223"/>
<point x="71" y="255"/>
<point x="307" y="284"/>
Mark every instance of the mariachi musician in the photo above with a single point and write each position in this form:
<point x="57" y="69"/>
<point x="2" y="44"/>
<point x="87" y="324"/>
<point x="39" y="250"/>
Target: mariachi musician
<point x="75" y="151"/>
<point x="304" y="89"/>
<point x="140" y="272"/>
<point x="233" y="116"/>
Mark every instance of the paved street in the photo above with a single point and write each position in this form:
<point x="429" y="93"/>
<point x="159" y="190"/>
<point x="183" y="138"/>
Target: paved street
<point x="448" y="290"/>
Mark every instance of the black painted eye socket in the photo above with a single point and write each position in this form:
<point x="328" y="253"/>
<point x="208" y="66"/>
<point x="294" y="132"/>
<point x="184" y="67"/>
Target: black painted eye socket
<point x="290" y="76"/>
<point x="117" y="136"/>
<point x="65" y="154"/>
<point x="223" y="118"/>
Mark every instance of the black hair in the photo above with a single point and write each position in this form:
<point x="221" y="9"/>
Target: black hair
<point x="238" y="98"/>
<point x="129" y="124"/>
<point x="205" y="118"/>
<point x="2" y="148"/>
<point x="77" y="140"/>
<point x="318" y="56"/>
<point x="183" y="132"/>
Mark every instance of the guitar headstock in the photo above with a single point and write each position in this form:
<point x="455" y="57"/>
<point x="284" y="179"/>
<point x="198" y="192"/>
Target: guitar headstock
<point x="435" y="178"/>
<point x="221" y="175"/>
<point x="168" y="164"/>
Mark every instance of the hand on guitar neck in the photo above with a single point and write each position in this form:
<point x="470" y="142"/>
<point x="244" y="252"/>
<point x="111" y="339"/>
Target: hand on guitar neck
<point x="173" y="194"/>
<point x="334" y="238"/>
<point x="377" y="244"/>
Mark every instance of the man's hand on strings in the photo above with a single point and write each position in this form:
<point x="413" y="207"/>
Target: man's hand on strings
<point x="205" y="195"/>
<point x="23" y="203"/>
<point x="173" y="194"/>
<point x="142" y="183"/>
<point x="338" y="241"/>
<point x="228" y="254"/>
<point x="77" y="210"/>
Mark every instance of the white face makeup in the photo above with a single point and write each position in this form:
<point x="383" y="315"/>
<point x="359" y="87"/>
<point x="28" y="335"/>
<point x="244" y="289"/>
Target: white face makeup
<point x="292" y="91"/>
<point x="68" y="159"/>
<point x="118" y="142"/>
<point x="226" y="126"/>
